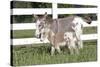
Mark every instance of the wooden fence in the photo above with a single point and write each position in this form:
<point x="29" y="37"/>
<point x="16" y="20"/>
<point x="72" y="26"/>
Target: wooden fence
<point x="54" y="11"/>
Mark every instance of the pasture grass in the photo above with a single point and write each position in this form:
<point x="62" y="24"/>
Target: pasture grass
<point x="36" y="55"/>
<point x="89" y="30"/>
<point x="23" y="33"/>
<point x="31" y="33"/>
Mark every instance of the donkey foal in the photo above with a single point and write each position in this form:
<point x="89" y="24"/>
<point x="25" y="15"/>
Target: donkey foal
<point x="71" y="42"/>
<point x="60" y="39"/>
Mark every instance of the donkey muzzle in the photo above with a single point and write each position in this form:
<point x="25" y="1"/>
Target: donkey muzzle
<point x="89" y="22"/>
<point x="38" y="36"/>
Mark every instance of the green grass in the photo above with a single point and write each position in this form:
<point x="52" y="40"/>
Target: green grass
<point x="30" y="33"/>
<point x="23" y="33"/>
<point x="33" y="55"/>
<point x="89" y="30"/>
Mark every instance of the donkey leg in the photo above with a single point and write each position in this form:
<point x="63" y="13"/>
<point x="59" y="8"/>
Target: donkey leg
<point x="58" y="49"/>
<point x="80" y="44"/>
<point x="52" y="50"/>
<point x="76" y="50"/>
<point x="78" y="39"/>
<point x="71" y="50"/>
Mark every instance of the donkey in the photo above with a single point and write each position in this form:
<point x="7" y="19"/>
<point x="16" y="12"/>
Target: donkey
<point x="62" y="25"/>
<point x="60" y="39"/>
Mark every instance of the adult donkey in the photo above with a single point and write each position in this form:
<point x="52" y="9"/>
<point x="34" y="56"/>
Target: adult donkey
<point x="62" y="25"/>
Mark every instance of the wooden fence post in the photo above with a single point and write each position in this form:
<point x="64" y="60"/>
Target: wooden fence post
<point x="54" y="8"/>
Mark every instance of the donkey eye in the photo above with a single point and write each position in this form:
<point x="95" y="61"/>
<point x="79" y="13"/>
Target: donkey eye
<point x="39" y="25"/>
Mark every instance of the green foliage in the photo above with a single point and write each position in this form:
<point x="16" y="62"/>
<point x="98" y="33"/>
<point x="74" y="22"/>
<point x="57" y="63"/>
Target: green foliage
<point x="23" y="4"/>
<point x="74" y="6"/>
<point x="22" y="19"/>
<point x="92" y="16"/>
<point x="65" y="6"/>
<point x="18" y="4"/>
<point x="41" y="5"/>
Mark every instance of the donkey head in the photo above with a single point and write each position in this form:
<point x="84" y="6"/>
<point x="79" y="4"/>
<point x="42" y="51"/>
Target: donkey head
<point x="45" y="32"/>
<point x="87" y="19"/>
<point x="40" y="24"/>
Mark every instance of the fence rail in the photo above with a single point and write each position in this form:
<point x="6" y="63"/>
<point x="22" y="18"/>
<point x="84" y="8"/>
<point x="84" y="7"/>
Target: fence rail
<point x="25" y="26"/>
<point x="30" y="11"/>
<point x="24" y="41"/>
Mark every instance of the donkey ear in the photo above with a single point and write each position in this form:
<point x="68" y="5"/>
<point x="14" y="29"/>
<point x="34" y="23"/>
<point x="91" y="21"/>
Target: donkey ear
<point x="35" y="16"/>
<point x="87" y="17"/>
<point x="45" y="14"/>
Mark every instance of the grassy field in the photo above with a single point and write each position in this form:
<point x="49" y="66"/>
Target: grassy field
<point x="33" y="55"/>
<point x="30" y="33"/>
<point x="23" y="33"/>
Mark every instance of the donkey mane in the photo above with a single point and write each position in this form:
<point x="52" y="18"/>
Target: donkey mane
<point x="49" y="20"/>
